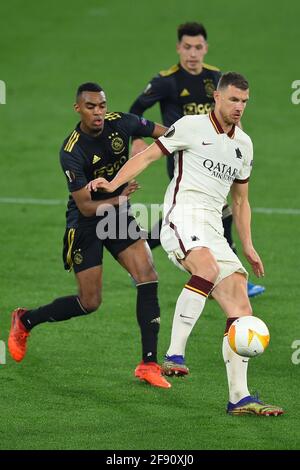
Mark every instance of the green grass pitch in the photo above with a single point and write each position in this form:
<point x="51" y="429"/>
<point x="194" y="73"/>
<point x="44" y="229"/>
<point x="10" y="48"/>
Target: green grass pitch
<point x="76" y="389"/>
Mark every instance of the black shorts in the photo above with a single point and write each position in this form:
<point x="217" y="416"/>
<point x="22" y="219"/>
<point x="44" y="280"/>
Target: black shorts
<point x="83" y="246"/>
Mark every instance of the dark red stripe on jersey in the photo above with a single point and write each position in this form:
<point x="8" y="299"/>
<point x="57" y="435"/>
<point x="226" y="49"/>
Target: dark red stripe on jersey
<point x="173" y="227"/>
<point x="218" y="127"/>
<point x="178" y="179"/>
<point x="229" y="323"/>
<point x="163" y="148"/>
<point x="231" y="132"/>
<point x="180" y="166"/>
<point x="241" y="181"/>
<point x="200" y="285"/>
<point x="216" y="123"/>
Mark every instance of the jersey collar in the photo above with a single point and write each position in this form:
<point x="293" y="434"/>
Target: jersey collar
<point x="88" y="137"/>
<point x="188" y="74"/>
<point x="218" y="127"/>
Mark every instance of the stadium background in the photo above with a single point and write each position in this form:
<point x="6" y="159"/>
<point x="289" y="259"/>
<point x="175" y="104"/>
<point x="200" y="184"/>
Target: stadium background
<point x="75" y="389"/>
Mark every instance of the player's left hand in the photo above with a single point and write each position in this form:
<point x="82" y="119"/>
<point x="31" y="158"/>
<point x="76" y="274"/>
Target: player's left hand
<point x="255" y="261"/>
<point x="130" y="189"/>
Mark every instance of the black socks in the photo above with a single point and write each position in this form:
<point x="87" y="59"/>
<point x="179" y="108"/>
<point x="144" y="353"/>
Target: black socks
<point x="148" y="317"/>
<point x="60" y="309"/>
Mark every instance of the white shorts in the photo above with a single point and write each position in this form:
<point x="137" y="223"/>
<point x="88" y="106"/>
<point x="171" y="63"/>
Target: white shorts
<point x="182" y="235"/>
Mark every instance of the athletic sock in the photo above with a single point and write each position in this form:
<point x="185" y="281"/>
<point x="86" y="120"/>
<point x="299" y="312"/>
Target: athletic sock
<point x="189" y="307"/>
<point x="60" y="309"/>
<point x="236" y="368"/>
<point x="148" y="317"/>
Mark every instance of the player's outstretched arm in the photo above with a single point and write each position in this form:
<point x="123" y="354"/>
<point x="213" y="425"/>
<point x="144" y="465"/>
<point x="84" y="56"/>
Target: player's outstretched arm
<point x="89" y="208"/>
<point x="138" y="144"/>
<point x="129" y="171"/>
<point x="242" y="217"/>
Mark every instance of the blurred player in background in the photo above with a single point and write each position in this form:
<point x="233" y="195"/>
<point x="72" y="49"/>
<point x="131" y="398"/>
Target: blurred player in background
<point x="186" y="88"/>
<point x="99" y="146"/>
<point x="212" y="156"/>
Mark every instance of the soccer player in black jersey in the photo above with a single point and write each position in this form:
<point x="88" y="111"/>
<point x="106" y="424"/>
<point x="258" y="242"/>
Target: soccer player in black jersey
<point x="99" y="146"/>
<point x="185" y="88"/>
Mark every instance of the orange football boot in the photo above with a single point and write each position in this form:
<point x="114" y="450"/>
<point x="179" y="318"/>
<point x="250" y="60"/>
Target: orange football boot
<point x="18" y="335"/>
<point x="150" y="372"/>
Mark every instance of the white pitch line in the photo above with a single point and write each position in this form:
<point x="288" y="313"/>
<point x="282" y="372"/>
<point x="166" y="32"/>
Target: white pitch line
<point x="275" y="210"/>
<point x="58" y="202"/>
<point x="37" y="202"/>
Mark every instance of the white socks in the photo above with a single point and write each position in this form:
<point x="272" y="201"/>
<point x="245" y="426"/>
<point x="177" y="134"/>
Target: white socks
<point x="236" y="368"/>
<point x="189" y="307"/>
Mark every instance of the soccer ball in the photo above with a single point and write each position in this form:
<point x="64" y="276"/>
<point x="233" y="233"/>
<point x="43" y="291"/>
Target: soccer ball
<point x="248" y="336"/>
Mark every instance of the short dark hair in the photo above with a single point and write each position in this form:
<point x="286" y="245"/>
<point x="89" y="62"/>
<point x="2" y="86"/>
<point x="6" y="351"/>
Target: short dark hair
<point x="191" y="29"/>
<point x="233" y="78"/>
<point x="88" y="86"/>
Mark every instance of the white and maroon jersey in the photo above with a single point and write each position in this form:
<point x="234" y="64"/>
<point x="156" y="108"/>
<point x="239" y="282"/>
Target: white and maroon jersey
<point x="207" y="161"/>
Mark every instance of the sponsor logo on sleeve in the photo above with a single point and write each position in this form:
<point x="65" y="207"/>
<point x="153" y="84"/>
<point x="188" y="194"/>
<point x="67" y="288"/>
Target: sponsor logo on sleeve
<point x="170" y="132"/>
<point x="70" y="175"/>
<point x="148" y="89"/>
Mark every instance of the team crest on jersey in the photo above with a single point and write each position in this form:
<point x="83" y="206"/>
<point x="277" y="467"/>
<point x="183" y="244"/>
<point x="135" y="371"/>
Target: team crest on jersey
<point x="117" y="143"/>
<point x="78" y="258"/>
<point x="209" y="87"/>
<point x="238" y="153"/>
<point x="170" y="132"/>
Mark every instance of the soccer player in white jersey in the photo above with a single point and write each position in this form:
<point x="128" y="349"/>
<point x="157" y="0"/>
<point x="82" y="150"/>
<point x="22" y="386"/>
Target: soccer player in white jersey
<point x="212" y="157"/>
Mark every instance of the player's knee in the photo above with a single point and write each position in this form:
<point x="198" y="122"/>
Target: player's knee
<point x="145" y="274"/>
<point x="210" y="271"/>
<point x="91" y="303"/>
<point x="203" y="264"/>
<point x="215" y="271"/>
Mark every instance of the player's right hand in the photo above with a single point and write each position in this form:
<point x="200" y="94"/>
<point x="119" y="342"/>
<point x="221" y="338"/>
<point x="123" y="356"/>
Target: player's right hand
<point x="100" y="183"/>
<point x="255" y="261"/>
